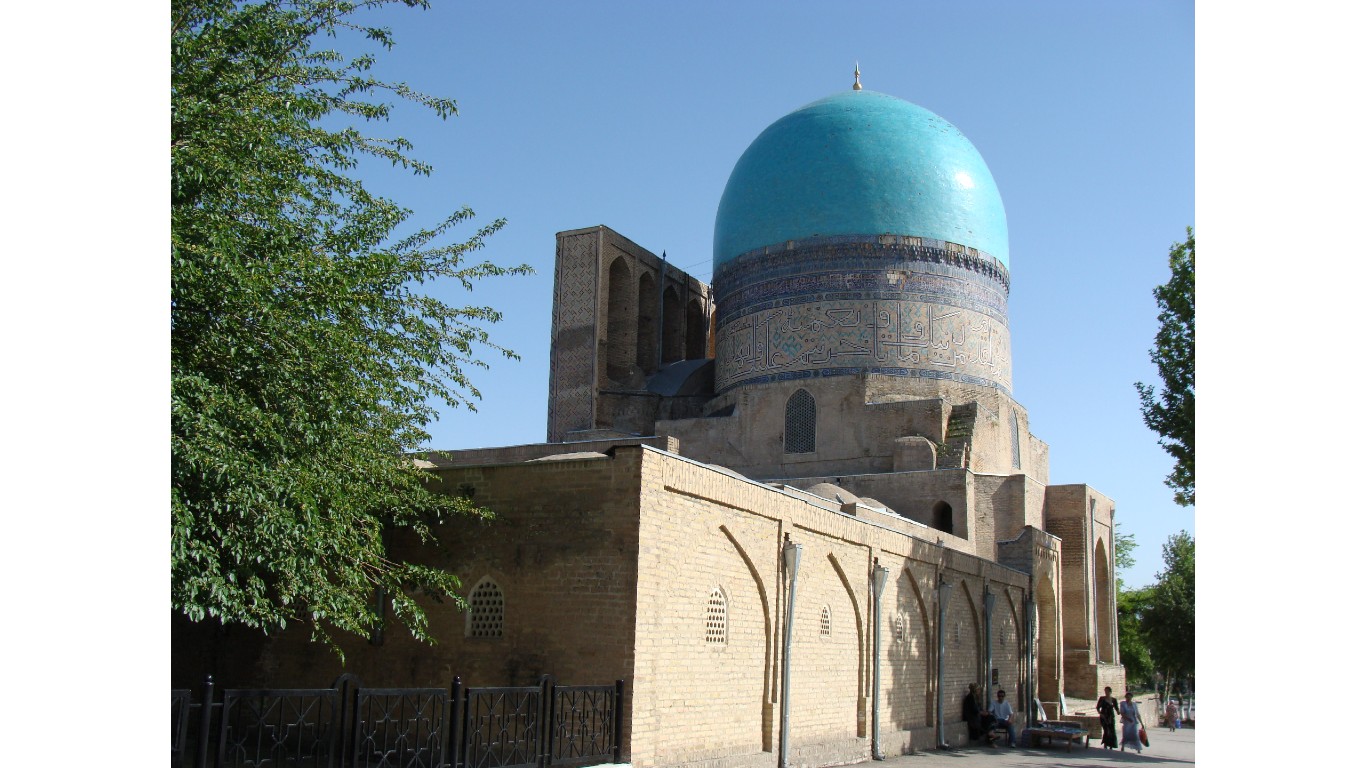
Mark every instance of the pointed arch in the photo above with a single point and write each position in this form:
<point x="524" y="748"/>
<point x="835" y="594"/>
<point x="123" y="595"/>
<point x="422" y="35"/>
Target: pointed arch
<point x="858" y="635"/>
<point x="621" y="333"/>
<point x="673" y="326"/>
<point x="1049" y="643"/>
<point x="647" y="324"/>
<point x="1105" y="607"/>
<point x="765" y="704"/>
<point x="962" y="646"/>
<point x="696" y="331"/>
<point x="908" y="665"/>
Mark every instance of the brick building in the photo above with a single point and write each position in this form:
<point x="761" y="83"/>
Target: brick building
<point x="842" y="391"/>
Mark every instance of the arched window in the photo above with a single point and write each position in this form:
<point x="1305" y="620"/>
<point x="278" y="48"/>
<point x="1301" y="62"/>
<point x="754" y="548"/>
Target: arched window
<point x="620" y="341"/>
<point x="485" y="616"/>
<point x="825" y="621"/>
<point x="716" y="617"/>
<point x="799" y="427"/>
<point x="647" y="328"/>
<point x="1014" y="440"/>
<point x="697" y="331"/>
<point x="673" y="326"/>
<point x="942" y="517"/>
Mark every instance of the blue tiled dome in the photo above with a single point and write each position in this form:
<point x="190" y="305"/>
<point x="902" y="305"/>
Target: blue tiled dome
<point x="860" y="163"/>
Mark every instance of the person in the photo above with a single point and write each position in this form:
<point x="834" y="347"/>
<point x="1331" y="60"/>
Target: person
<point x="1173" y="714"/>
<point x="1128" y="714"/>
<point x="972" y="713"/>
<point x="1001" y="714"/>
<point x="1105" y="707"/>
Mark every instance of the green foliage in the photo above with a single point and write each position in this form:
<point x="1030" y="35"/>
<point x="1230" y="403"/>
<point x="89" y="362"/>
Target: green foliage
<point x="306" y="360"/>
<point x="1133" y="648"/>
<point x="1172" y="413"/>
<point x="1129" y="605"/>
<point x="1168" y="615"/>
<point x="1125" y="544"/>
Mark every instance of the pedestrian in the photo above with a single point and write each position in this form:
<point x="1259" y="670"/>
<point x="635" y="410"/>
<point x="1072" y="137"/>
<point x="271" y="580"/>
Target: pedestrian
<point x="1106" y="706"/>
<point x="1173" y="714"/>
<point x="1128" y="715"/>
<point x="972" y="713"/>
<point x="1001" y="713"/>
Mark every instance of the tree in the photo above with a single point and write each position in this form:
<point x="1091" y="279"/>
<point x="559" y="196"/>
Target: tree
<point x="1129" y="606"/>
<point x="1168" y="618"/>
<point x="1172" y="413"/>
<point x="306" y="358"/>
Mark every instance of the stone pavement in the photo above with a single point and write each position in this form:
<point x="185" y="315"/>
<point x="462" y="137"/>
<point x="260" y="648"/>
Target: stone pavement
<point x="1167" y="748"/>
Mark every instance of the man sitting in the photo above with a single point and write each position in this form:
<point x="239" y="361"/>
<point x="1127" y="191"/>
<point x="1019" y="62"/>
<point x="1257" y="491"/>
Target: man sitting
<point x="1001" y="713"/>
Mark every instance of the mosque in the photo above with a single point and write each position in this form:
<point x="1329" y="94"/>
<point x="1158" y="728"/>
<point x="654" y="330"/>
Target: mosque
<point x="797" y="510"/>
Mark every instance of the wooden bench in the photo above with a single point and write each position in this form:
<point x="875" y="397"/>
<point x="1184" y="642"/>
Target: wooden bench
<point x="1069" y="735"/>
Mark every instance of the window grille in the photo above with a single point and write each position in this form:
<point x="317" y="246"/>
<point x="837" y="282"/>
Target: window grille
<point x="799" y="430"/>
<point x="899" y="631"/>
<point x="825" y="621"/>
<point x="485" y="617"/>
<point x="1014" y="440"/>
<point x="716" y="617"/>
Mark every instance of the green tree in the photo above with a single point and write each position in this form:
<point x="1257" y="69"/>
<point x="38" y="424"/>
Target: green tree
<point x="1171" y="414"/>
<point x="1168" y="618"/>
<point x="306" y="358"/>
<point x="1129" y="606"/>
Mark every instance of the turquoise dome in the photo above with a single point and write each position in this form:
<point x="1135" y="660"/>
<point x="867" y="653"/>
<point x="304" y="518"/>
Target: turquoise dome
<point x="860" y="163"/>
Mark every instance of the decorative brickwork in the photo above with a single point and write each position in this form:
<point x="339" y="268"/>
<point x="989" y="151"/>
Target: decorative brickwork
<point x="842" y="305"/>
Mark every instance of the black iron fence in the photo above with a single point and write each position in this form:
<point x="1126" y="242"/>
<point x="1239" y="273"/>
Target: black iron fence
<point x="351" y="726"/>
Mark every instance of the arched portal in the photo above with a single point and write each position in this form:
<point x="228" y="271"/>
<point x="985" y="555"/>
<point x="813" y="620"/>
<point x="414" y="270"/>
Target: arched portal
<point x="1105" y="607"/>
<point x="1049" y="643"/>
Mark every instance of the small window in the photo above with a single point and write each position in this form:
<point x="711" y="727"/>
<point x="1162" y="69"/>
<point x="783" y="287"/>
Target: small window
<point x="485" y="617"/>
<point x="825" y="621"/>
<point x="942" y="517"/>
<point x="1014" y="440"/>
<point x="899" y="631"/>
<point x="716" y="617"/>
<point x="799" y="427"/>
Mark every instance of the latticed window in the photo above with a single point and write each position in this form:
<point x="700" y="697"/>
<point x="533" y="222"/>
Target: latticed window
<point x="825" y="621"/>
<point x="799" y="430"/>
<point x="1014" y="440"/>
<point x="716" y="617"/>
<point x="485" y="617"/>
<point x="899" y="630"/>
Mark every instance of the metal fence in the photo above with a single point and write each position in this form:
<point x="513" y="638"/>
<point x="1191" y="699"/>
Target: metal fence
<point x="351" y="726"/>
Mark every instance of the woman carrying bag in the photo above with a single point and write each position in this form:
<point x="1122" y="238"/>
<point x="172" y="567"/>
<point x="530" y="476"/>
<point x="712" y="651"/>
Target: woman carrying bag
<point x="1133" y="724"/>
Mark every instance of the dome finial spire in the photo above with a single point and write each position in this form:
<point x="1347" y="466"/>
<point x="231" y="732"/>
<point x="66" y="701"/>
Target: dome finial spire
<point x="857" y="86"/>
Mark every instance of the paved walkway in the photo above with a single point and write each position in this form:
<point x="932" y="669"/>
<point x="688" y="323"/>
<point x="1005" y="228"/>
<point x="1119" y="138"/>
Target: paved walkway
<point x="1167" y="748"/>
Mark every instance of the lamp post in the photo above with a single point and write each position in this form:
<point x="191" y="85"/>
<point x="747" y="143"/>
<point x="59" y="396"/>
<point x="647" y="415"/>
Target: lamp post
<point x="792" y="560"/>
<point x="945" y="590"/>
<point x="879" y="581"/>
<point x="989" y="604"/>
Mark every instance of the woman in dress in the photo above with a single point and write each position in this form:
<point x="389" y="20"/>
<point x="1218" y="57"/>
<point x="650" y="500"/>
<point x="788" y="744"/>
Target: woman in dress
<point x="1128" y="714"/>
<point x="1105" y="707"/>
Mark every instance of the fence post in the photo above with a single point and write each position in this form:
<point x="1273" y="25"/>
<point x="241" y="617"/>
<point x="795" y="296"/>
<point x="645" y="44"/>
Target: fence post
<point x="457" y="718"/>
<point x="547" y="715"/>
<point x="347" y="731"/>
<point x="205" y="723"/>
<point x="618" y="717"/>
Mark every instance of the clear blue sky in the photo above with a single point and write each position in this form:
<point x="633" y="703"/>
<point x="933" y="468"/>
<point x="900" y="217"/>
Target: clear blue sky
<point x="632" y="115"/>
